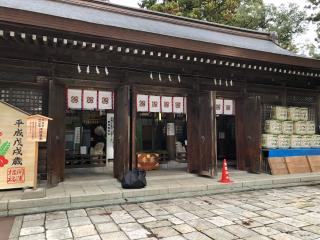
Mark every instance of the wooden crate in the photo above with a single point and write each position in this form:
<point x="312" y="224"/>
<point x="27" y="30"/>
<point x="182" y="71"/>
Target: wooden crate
<point x="278" y="166"/>
<point x="298" y="164"/>
<point x="314" y="162"/>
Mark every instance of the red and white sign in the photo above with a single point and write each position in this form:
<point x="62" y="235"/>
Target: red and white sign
<point x="166" y="104"/>
<point x="219" y="106"/>
<point x="178" y="104"/>
<point x="154" y="103"/>
<point x="228" y="107"/>
<point x="142" y="103"/>
<point x="105" y="100"/>
<point x="74" y="98"/>
<point x="90" y="99"/>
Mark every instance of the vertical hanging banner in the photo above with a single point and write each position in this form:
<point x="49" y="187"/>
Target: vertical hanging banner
<point x="178" y="104"/>
<point x="142" y="103"/>
<point x="89" y="101"/>
<point x="166" y="104"/>
<point x="74" y="99"/>
<point x="219" y="106"/>
<point x="110" y="136"/>
<point x="228" y="107"/>
<point x="105" y="100"/>
<point x="154" y="104"/>
<point x="185" y="105"/>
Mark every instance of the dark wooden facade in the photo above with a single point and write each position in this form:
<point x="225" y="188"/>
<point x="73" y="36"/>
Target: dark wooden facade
<point x="41" y="53"/>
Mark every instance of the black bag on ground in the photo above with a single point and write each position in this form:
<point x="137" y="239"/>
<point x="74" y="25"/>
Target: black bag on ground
<point x="134" y="179"/>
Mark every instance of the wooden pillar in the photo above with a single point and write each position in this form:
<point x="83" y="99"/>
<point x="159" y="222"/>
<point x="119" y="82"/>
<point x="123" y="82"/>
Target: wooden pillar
<point x="192" y="133"/>
<point x="207" y="134"/>
<point x="56" y="133"/>
<point x="122" y="132"/>
<point x="134" y="163"/>
<point x="201" y="131"/>
<point x="240" y="135"/>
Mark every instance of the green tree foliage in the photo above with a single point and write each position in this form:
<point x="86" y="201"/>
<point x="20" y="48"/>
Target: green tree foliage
<point x="286" y="21"/>
<point x="314" y="8"/>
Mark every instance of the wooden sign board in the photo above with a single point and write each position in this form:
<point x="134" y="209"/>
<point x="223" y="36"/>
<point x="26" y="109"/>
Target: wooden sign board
<point x="37" y="128"/>
<point x="17" y="154"/>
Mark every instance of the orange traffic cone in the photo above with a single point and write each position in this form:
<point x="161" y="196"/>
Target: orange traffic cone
<point x="225" y="174"/>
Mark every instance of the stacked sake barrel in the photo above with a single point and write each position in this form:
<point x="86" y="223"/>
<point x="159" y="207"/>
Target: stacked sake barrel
<point x="290" y="128"/>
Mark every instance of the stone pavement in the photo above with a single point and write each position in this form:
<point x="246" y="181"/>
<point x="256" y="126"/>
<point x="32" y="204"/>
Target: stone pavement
<point x="279" y="214"/>
<point x="101" y="192"/>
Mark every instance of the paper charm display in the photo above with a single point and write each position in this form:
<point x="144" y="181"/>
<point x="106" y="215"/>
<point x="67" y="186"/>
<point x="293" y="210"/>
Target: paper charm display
<point x="142" y="103"/>
<point x="178" y="104"/>
<point x="89" y="99"/>
<point x="74" y="98"/>
<point x="154" y="103"/>
<point x="219" y="106"/>
<point x="166" y="104"/>
<point x="228" y="107"/>
<point x="105" y="100"/>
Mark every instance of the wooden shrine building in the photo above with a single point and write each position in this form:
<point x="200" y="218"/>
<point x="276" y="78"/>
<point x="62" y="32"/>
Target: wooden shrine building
<point x="76" y="61"/>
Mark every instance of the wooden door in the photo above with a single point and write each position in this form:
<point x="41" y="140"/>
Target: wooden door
<point x="56" y="133"/>
<point x="207" y="134"/>
<point x="122" y="132"/>
<point x="252" y="132"/>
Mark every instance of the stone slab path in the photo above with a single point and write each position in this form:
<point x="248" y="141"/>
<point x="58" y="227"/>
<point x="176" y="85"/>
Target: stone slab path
<point x="84" y="194"/>
<point x="279" y="214"/>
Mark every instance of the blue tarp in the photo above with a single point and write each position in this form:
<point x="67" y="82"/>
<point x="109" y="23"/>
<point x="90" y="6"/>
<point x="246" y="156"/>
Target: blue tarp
<point x="293" y="152"/>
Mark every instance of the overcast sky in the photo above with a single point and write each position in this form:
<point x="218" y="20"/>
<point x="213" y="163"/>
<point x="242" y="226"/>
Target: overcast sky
<point x="308" y="36"/>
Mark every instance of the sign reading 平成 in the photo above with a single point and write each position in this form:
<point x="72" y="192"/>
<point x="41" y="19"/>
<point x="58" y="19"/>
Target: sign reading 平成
<point x="18" y="152"/>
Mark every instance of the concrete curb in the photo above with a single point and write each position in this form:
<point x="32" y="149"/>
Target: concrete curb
<point x="15" y="231"/>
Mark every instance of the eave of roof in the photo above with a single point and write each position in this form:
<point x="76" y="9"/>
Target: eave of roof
<point x="162" y="25"/>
